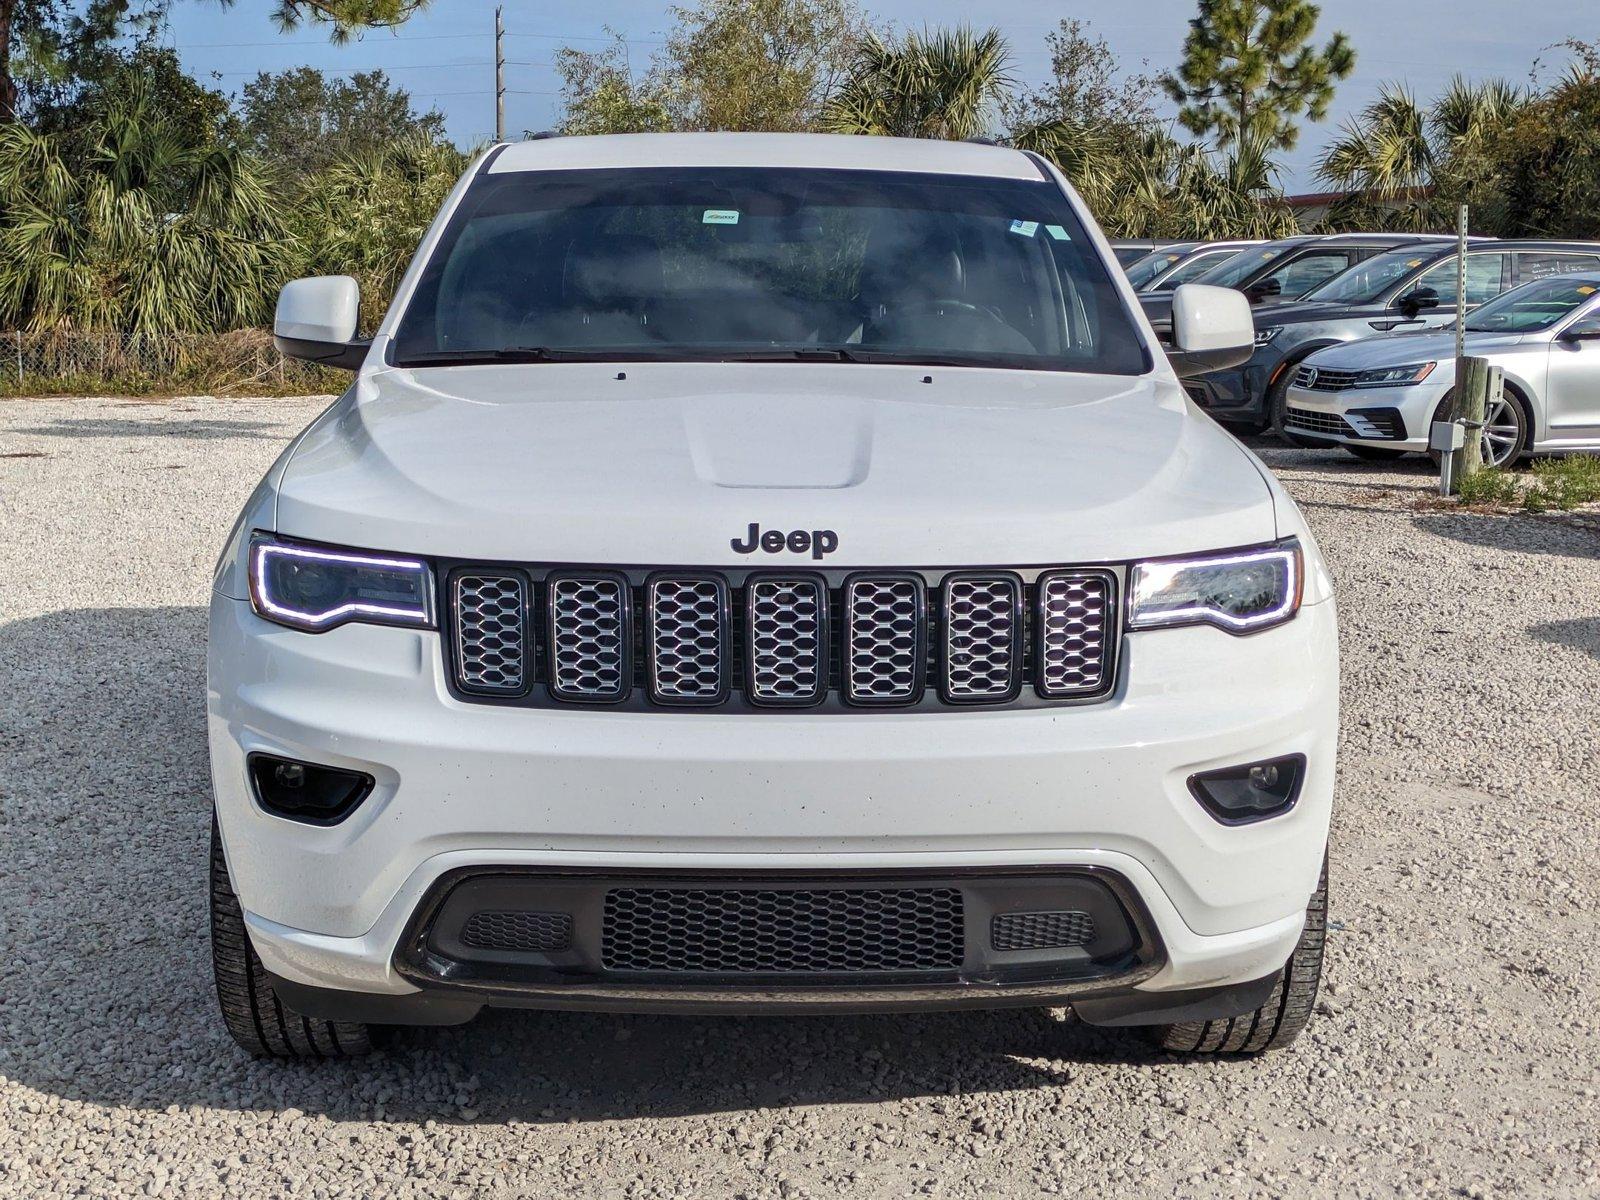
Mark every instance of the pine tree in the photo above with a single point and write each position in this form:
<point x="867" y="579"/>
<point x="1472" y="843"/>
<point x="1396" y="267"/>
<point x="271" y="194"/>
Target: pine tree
<point x="1248" y="72"/>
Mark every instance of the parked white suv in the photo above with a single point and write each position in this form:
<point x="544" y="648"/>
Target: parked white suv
<point x="768" y="573"/>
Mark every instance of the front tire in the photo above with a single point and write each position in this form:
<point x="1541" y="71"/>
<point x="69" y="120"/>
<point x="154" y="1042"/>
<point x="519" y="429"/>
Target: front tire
<point x="254" y="1015"/>
<point x="1277" y="1022"/>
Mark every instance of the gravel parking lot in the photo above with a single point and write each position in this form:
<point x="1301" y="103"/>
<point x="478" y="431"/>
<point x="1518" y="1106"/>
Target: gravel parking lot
<point x="1457" y="1051"/>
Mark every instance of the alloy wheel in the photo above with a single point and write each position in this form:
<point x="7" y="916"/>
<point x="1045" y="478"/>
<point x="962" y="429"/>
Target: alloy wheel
<point x="1502" y="431"/>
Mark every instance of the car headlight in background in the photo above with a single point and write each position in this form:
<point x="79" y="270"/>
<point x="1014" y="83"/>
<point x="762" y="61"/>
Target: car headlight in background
<point x="1394" y="376"/>
<point x="316" y="587"/>
<point x="1240" y="591"/>
<point x="1263" y="336"/>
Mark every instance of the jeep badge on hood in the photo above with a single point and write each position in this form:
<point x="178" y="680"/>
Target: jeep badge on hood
<point x="820" y="542"/>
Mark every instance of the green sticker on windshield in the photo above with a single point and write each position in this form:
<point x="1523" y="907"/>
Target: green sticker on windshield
<point x="720" y="216"/>
<point x="1057" y="232"/>
<point x="1025" y="228"/>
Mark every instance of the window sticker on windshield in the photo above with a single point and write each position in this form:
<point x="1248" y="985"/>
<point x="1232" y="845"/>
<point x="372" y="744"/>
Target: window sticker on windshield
<point x="1413" y="262"/>
<point x="1057" y="232"/>
<point x="1585" y="290"/>
<point x="1025" y="228"/>
<point x="720" y="216"/>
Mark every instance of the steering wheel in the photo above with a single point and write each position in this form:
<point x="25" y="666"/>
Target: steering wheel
<point x="949" y="302"/>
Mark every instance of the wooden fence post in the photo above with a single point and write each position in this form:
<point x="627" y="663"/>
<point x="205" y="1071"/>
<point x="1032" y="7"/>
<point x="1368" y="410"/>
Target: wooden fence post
<point x="1472" y="389"/>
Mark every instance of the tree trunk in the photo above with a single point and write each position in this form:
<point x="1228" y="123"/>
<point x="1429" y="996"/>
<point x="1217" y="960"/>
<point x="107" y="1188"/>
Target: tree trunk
<point x="8" y="86"/>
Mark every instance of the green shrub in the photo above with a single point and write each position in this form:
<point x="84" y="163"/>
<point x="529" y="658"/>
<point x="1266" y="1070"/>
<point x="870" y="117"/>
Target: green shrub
<point x="1563" y="483"/>
<point x="1490" y="486"/>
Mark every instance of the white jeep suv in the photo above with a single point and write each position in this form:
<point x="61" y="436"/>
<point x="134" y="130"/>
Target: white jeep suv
<point x="767" y="573"/>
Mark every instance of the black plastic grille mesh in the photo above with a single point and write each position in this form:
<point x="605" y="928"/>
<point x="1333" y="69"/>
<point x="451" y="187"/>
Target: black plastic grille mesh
<point x="541" y="931"/>
<point x="491" y="651"/>
<point x="779" y="931"/>
<point x="1074" y="616"/>
<point x="884" y="637"/>
<point x="588" y="629"/>
<point x="982" y="624"/>
<point x="787" y="657"/>
<point x="1040" y="930"/>
<point x="688" y="639"/>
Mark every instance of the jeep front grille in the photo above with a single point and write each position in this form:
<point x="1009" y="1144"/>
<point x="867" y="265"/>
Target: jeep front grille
<point x="892" y="639"/>
<point x="773" y="931"/>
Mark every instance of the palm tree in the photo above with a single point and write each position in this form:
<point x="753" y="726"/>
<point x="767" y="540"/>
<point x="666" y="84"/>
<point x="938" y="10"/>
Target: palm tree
<point x="124" y="224"/>
<point x="944" y="84"/>
<point x="1406" y="164"/>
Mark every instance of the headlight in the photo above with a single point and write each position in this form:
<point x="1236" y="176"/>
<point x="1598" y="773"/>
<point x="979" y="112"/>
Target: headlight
<point x="1394" y="376"/>
<point x="316" y="588"/>
<point x="1263" y="336"/>
<point x="1239" y="591"/>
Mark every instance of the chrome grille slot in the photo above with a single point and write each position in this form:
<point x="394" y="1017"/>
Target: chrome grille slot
<point x="1325" y="379"/>
<point x="786" y="640"/>
<point x="1313" y="421"/>
<point x="1075" y="625"/>
<point x="688" y="621"/>
<point x="885" y="639"/>
<point x="982" y="637"/>
<point x="491" y="633"/>
<point x="590" y="635"/>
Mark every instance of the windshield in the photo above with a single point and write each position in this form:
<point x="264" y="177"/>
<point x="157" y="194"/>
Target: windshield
<point x="744" y="263"/>
<point x="1154" y="263"/>
<point x="1242" y="266"/>
<point x="1368" y="281"/>
<point x="1533" y="306"/>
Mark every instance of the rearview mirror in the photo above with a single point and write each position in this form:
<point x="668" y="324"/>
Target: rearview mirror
<point x="316" y="321"/>
<point x="1211" y="329"/>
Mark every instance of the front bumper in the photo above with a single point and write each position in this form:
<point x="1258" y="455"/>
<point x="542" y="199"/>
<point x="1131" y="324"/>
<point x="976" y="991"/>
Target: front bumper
<point x="467" y="787"/>
<point x="1397" y="418"/>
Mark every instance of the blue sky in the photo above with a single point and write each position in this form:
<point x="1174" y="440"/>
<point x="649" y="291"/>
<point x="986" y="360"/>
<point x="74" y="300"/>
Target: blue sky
<point x="444" y="55"/>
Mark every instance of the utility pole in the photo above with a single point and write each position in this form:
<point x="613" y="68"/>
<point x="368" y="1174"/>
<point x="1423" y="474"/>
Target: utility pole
<point x="499" y="74"/>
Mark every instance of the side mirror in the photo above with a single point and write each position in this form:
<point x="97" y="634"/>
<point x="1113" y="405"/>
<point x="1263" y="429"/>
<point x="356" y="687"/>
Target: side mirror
<point x="1417" y="299"/>
<point x="1586" y="331"/>
<point x="1261" y="291"/>
<point x="316" y="321"/>
<point x="1211" y="329"/>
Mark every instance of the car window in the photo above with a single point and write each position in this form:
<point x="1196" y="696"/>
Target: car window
<point x="1485" y="279"/>
<point x="1541" y="264"/>
<point x="1151" y="265"/>
<point x="1245" y="264"/>
<point x="718" y="263"/>
<point x="1534" y="306"/>
<point x="1197" y="266"/>
<point x="1367" y="281"/>
<point x="1298" y="277"/>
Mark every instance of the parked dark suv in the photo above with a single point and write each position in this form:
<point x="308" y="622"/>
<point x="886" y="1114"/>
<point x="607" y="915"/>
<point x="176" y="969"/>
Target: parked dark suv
<point x="1404" y="291"/>
<point x="1282" y="271"/>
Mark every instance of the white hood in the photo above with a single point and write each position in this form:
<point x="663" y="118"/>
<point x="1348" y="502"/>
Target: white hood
<point x="647" y="463"/>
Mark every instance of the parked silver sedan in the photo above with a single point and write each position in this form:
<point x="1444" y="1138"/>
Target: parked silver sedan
<point x="1378" y="397"/>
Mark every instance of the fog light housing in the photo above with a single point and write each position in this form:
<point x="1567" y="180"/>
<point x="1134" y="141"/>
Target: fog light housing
<point x="1252" y="791"/>
<point x="303" y="791"/>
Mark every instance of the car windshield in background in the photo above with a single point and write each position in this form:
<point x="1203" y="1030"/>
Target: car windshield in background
<point x="770" y="265"/>
<point x="1242" y="266"/>
<point x="1367" y="282"/>
<point x="1153" y="264"/>
<point x="1534" y="306"/>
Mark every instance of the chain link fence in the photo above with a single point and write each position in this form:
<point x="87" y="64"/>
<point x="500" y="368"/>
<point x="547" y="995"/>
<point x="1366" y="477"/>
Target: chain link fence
<point x="242" y="362"/>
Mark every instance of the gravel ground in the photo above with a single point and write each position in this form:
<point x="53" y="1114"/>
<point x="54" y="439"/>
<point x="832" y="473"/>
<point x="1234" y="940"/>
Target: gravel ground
<point x="1457" y="1051"/>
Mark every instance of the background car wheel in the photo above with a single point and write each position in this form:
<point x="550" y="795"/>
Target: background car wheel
<point x="1374" y="453"/>
<point x="1277" y="1022"/>
<point x="1507" y="429"/>
<point x="254" y="1015"/>
<point x="1278" y="413"/>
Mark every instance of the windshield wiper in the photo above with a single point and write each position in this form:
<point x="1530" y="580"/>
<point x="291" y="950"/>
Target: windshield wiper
<point x="504" y="354"/>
